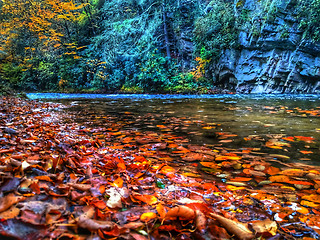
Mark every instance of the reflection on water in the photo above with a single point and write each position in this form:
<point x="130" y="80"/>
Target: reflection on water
<point x="233" y="121"/>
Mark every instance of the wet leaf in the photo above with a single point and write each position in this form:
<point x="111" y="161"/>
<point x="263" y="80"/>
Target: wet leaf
<point x="239" y="229"/>
<point x="312" y="198"/>
<point x="201" y="221"/>
<point x="181" y="212"/>
<point x="266" y="228"/>
<point x="279" y="178"/>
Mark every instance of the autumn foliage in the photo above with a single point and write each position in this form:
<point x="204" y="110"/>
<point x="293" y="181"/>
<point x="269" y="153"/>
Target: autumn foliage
<point x="61" y="180"/>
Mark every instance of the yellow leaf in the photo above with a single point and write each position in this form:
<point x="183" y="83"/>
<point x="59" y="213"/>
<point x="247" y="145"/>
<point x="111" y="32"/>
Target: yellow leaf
<point x="161" y="210"/>
<point x="148" y="199"/>
<point x="312" y="197"/>
<point x="234" y="188"/>
<point x="309" y="204"/>
<point x="146" y="217"/>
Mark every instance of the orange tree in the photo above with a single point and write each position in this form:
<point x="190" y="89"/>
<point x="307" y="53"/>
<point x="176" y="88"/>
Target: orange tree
<point x="34" y="31"/>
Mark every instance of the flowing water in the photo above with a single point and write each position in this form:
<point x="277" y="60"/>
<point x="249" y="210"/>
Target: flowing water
<point x="286" y="126"/>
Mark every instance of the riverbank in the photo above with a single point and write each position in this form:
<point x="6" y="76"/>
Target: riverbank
<point x="60" y="179"/>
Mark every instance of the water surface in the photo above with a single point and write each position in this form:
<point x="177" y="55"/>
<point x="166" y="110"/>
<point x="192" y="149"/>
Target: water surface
<point x="231" y="121"/>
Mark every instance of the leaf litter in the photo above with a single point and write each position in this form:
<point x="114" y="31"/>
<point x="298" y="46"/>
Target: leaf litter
<point x="107" y="180"/>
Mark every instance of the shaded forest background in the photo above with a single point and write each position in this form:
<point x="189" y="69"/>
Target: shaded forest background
<point x="134" y="46"/>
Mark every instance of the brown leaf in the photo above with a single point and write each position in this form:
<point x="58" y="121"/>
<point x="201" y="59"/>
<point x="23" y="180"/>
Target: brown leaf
<point x="239" y="229"/>
<point x="201" y="221"/>
<point x="9" y="200"/>
<point x="267" y="228"/>
<point x="81" y="187"/>
<point x="10" y="213"/>
<point x="137" y="236"/>
<point x="182" y="212"/>
<point x="93" y="225"/>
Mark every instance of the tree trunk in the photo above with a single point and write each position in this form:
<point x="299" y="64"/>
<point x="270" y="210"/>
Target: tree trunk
<point x="166" y="36"/>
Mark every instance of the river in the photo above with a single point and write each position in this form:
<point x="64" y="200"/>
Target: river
<point x="286" y="127"/>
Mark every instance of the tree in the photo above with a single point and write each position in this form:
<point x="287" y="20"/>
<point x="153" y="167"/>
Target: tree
<point x="35" y="31"/>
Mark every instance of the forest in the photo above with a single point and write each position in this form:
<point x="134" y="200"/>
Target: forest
<point x="144" y="46"/>
<point x="163" y="119"/>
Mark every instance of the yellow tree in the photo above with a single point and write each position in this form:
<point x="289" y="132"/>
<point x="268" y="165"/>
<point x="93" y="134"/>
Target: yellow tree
<point x="38" y="25"/>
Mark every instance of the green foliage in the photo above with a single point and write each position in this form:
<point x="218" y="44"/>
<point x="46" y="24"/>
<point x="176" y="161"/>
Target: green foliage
<point x="309" y="13"/>
<point x="216" y="30"/>
<point x="156" y="72"/>
<point x="130" y="88"/>
<point x="183" y="83"/>
<point x="11" y="74"/>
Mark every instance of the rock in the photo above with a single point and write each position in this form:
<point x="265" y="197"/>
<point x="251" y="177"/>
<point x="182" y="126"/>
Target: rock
<point x="273" y="56"/>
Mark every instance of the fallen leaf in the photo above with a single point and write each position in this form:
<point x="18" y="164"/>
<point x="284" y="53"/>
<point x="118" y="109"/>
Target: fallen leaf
<point x="148" y="199"/>
<point x="146" y="217"/>
<point x="236" y="228"/>
<point x="161" y="210"/>
<point x="266" y="228"/>
<point x="9" y="200"/>
<point x="92" y="224"/>
<point x="279" y="178"/>
<point x="201" y="221"/>
<point x="182" y="212"/>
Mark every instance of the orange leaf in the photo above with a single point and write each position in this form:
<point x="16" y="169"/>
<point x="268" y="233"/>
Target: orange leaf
<point x="305" y="139"/>
<point x="121" y="166"/>
<point x="102" y="189"/>
<point x="309" y="204"/>
<point x="306" y="152"/>
<point x="313" y="198"/>
<point x="118" y="182"/>
<point x="44" y="178"/>
<point x="9" y="200"/>
<point x="279" y="178"/>
<point x="303" y="210"/>
<point x="273" y="170"/>
<point x="148" y="199"/>
<point x="161" y="210"/>
<point x="182" y="212"/>
<point x="290" y="139"/>
<point x="209" y="164"/>
<point x="240" y="179"/>
<point x="301" y="183"/>
<point x="99" y="204"/>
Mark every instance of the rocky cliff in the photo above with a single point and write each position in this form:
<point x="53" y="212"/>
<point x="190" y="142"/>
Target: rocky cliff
<point x="273" y="55"/>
